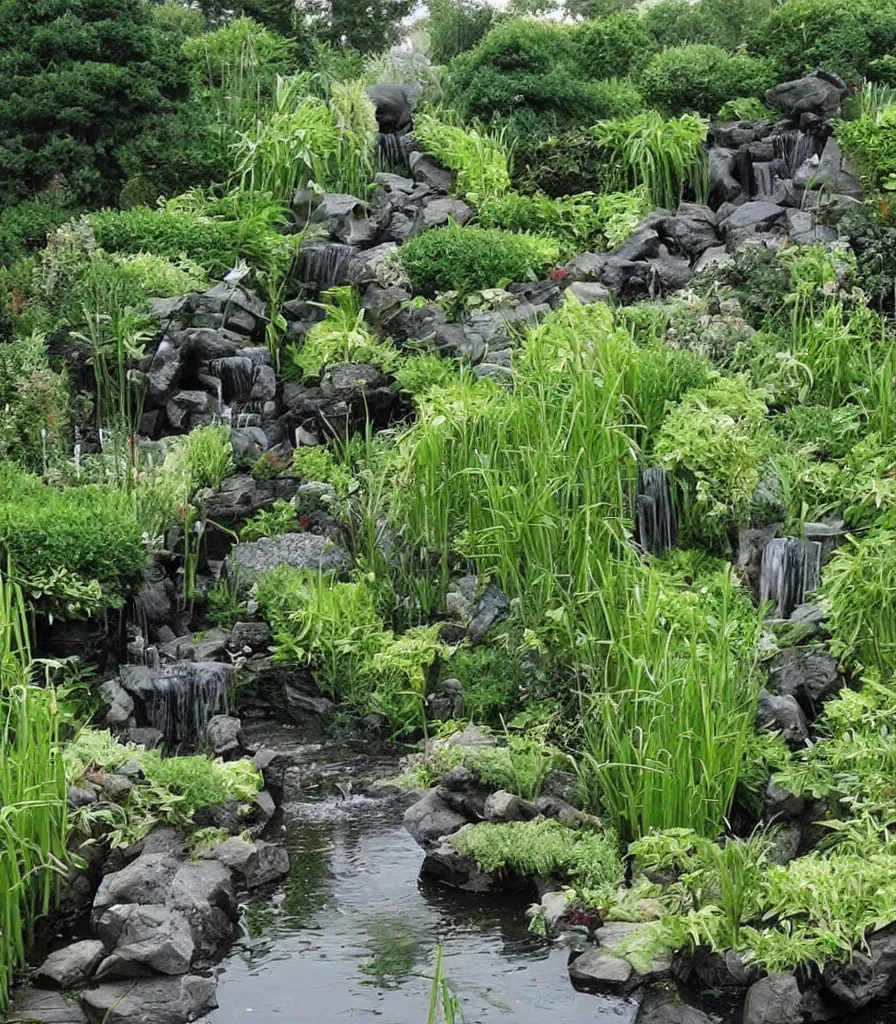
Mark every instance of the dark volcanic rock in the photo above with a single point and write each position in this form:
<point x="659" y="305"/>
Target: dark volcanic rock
<point x="431" y="818"/>
<point x="774" y="1000"/>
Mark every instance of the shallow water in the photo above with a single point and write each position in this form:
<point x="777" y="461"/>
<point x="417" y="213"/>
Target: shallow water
<point x="352" y="933"/>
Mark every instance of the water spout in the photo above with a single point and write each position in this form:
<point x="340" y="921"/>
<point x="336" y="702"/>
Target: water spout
<point x="655" y="512"/>
<point x="789" y="571"/>
<point x="325" y="264"/>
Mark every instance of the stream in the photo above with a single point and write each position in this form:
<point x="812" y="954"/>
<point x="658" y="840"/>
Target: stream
<point x="352" y="933"/>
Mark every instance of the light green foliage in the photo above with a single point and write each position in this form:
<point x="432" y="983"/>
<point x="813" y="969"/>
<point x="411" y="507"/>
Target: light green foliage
<point x="466" y="259"/>
<point x="714" y="442"/>
<point x="34" y="825"/>
<point x="337" y="629"/>
<point x="869" y="143"/>
<point x="263" y="54"/>
<point x="341" y="337"/>
<point x="745" y="108"/>
<point x="519" y="767"/>
<point x="34" y="400"/>
<point x="682" y="665"/>
<point x="74" y="551"/>
<point x="420" y="374"/>
<point x="666" y="156"/>
<point x="204" y="457"/>
<point x="659" y="377"/>
<point x="576" y="223"/>
<point x="588" y="860"/>
<point x="702" y="78"/>
<point x="280" y="518"/>
<point x="174" y="787"/>
<point x="859" y="585"/>
<point x="478" y="157"/>
<point x="356" y="151"/>
<point x="322" y="464"/>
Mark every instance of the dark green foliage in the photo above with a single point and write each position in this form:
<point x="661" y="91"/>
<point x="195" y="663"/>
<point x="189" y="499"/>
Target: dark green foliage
<point x="702" y="78"/>
<point x="615" y="46"/>
<point x="369" y="27"/>
<point x="75" y="550"/>
<point x="527" y="74"/>
<point x="675" y="22"/>
<point x="842" y="36"/>
<point x="467" y="259"/>
<point x="874" y="242"/>
<point x="456" y="26"/>
<point x="826" y="433"/>
<point x="492" y="679"/>
<point x="593" y="9"/>
<point x="678" y="22"/>
<point x="25" y="226"/>
<point x="883" y="70"/>
<point x="562" y="165"/>
<point x="78" y="80"/>
<point x="758" y="280"/>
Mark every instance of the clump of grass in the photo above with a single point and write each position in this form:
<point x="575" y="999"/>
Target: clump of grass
<point x="589" y="861"/>
<point x="480" y="158"/>
<point x="667" y="156"/>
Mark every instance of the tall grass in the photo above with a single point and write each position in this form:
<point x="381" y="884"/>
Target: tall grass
<point x="668" y="156"/>
<point x="480" y="158"/>
<point x="33" y="822"/>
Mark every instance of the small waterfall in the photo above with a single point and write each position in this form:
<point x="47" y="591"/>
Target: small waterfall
<point x="325" y="264"/>
<point x="744" y="170"/>
<point x="789" y="571"/>
<point x="393" y="156"/>
<point x="655" y="512"/>
<point x="179" y="699"/>
<point x="764" y="177"/>
<point x="151" y="658"/>
<point x="236" y="375"/>
<point x="794" y="148"/>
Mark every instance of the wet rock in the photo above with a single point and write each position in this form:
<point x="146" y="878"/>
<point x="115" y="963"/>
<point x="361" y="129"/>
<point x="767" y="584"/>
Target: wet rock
<point x="184" y="407"/>
<point x="809" y="674"/>
<point x="146" y="880"/>
<point x="671" y="273"/>
<point x="346" y="219"/>
<point x="831" y="172"/>
<point x="462" y="791"/>
<point x="73" y="966"/>
<point x="786" y="843"/>
<point x="666" y="1008"/>
<point x="491" y="607"/>
<point x="379" y="266"/>
<point x="504" y="806"/>
<point x="774" y="1000"/>
<point x="202" y="891"/>
<point x="703" y="967"/>
<point x="225" y="734"/>
<point x="296" y="550"/>
<point x="142" y="938"/>
<point x="429" y="171"/>
<point x="446" y="864"/>
<point x="430" y="819"/>
<point x="394" y="105"/>
<point x="817" y="93"/>
<point x="33" y="1006"/>
<point x="165" y="372"/>
<point x="119" y="704"/>
<point x="780" y="805"/>
<point x="256" y="863"/>
<point x="118" y="788"/>
<point x="442" y="211"/>
<point x="599" y="970"/>
<point x="256" y="636"/>
<point x="784" y="715"/>
<point x="445" y="701"/>
<point x="80" y="796"/>
<point x="723" y="186"/>
<point x="751" y="545"/>
<point x="151" y="1001"/>
<point x="804" y="229"/>
<point x="870" y="975"/>
<point x="750" y="219"/>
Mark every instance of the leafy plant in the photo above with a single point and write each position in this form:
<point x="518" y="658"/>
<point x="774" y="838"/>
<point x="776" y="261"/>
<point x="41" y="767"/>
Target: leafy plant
<point x="667" y="156"/>
<point x="468" y="259"/>
<point x="479" y="158"/>
<point x="280" y="518"/>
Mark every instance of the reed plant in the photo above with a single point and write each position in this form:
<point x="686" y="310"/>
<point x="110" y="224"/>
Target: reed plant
<point x="666" y="155"/>
<point x="354" y="161"/>
<point x="33" y="822"/>
<point x="480" y="157"/>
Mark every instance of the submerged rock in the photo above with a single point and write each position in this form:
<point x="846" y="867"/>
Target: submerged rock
<point x="665" y="1008"/>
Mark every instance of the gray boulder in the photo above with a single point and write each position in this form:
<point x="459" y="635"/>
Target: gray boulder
<point x="225" y="734"/>
<point x="153" y="1001"/>
<point x="723" y="186"/>
<point x="831" y="172"/>
<point x="784" y="715"/>
<point x="817" y="93"/>
<point x="33" y="1006"/>
<point x="256" y="863"/>
<point x="774" y="1000"/>
<point x="752" y="218"/>
<point x="430" y="172"/>
<point x="588" y="292"/>
<point x="450" y="867"/>
<point x="202" y="891"/>
<point x="119" y="704"/>
<point x="144" y="938"/>
<point x="504" y="806"/>
<point x="430" y="819"/>
<point x="296" y="550"/>
<point x="73" y="966"/>
<point x="441" y="211"/>
<point x="346" y="218"/>
<point x="665" y="1008"/>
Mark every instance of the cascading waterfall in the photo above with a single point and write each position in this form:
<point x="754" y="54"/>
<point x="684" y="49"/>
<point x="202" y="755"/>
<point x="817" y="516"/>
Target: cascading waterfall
<point x="794" y="147"/>
<point x="392" y="153"/>
<point x="764" y="177"/>
<point x="790" y="570"/>
<point x="179" y="699"/>
<point x="237" y="377"/>
<point x="325" y="264"/>
<point x="655" y="509"/>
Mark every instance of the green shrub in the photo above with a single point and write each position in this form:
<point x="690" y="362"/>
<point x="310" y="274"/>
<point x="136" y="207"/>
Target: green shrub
<point x="714" y="443"/>
<point x="525" y="73"/>
<point x="468" y="259"/>
<point x="675" y="22"/>
<point x="678" y="22"/>
<point x="456" y="26"/>
<point x="563" y="165"/>
<point x="76" y="550"/>
<point x="842" y="36"/>
<point x="25" y="226"/>
<point x="701" y="78"/>
<point x="479" y="159"/>
<point x="614" y="47"/>
<point x="241" y="43"/>
<point x="34" y="426"/>
<point x="871" y="143"/>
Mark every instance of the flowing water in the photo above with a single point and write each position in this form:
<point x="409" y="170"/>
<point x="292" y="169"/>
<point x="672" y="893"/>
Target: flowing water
<point x="656" y="517"/>
<point x="352" y="933"/>
<point x="790" y="570"/>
